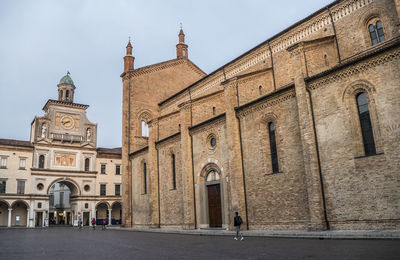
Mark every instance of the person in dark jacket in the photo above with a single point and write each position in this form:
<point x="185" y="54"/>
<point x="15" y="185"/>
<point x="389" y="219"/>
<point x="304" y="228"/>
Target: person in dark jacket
<point x="94" y="223"/>
<point x="237" y="221"/>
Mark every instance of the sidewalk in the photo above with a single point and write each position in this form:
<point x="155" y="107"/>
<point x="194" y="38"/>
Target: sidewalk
<point x="336" y="234"/>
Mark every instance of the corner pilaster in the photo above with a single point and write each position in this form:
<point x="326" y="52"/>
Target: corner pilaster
<point x="153" y="170"/>
<point x="126" y="162"/>
<point x="236" y="182"/>
<point x="310" y="157"/>
<point x="187" y="171"/>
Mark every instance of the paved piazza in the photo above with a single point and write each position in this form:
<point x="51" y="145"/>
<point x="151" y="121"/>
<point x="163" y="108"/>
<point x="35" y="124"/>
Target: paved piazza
<point x="70" y="243"/>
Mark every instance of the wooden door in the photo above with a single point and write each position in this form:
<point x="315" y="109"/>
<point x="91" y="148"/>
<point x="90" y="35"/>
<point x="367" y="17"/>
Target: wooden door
<point x="214" y="205"/>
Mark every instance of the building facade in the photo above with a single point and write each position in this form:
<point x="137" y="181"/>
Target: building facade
<point x="300" y="132"/>
<point x="60" y="175"/>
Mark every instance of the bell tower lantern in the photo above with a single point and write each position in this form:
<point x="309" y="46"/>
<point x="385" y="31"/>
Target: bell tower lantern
<point x="66" y="89"/>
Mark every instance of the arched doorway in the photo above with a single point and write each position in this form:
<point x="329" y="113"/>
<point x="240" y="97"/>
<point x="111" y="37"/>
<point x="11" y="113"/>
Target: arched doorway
<point x="116" y="213"/>
<point x="3" y="213"/>
<point x="210" y="190"/>
<point x="102" y="213"/>
<point x="214" y="198"/>
<point x="61" y="192"/>
<point x="19" y="215"/>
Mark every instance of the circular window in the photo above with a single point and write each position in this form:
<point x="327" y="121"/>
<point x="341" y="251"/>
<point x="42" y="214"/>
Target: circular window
<point x="40" y="186"/>
<point x="213" y="142"/>
<point x="87" y="187"/>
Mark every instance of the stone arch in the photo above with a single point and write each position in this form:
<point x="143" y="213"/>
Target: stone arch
<point x="103" y="202"/>
<point x="4" y="209"/>
<point x="116" y="208"/>
<point x="353" y="122"/>
<point x="116" y="203"/>
<point x="20" y="201"/>
<point x="19" y="214"/>
<point x="70" y="183"/>
<point x="5" y="202"/>
<point x="102" y="212"/>
<point x="206" y="169"/>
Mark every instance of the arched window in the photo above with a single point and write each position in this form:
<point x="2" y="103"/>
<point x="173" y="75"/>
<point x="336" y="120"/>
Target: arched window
<point x="87" y="164"/>
<point x="41" y="161"/>
<point x="214" y="111"/>
<point x="144" y="181"/>
<point x="366" y="125"/>
<point x="272" y="145"/>
<point x="376" y="32"/>
<point x="173" y="172"/>
<point x="260" y="90"/>
<point x="67" y="95"/>
<point x="145" y="129"/>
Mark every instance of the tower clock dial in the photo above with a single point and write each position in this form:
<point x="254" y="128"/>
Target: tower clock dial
<point x="67" y="122"/>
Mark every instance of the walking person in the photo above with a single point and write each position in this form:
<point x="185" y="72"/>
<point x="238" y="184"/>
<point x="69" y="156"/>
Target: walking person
<point x="237" y="221"/>
<point x="80" y="223"/>
<point x="94" y="223"/>
<point x="104" y="224"/>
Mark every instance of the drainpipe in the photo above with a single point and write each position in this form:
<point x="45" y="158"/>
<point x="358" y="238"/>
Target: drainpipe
<point x="318" y="159"/>
<point x="158" y="187"/>
<point x="334" y="31"/>
<point x="241" y="159"/>
<point x="191" y="151"/>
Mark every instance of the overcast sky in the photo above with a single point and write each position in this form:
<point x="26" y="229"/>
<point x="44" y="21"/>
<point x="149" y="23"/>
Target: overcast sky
<point x="41" y="40"/>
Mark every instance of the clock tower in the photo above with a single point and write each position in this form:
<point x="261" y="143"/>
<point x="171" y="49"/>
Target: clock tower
<point x="65" y="123"/>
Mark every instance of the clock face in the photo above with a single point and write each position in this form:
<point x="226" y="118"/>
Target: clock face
<point x="67" y="122"/>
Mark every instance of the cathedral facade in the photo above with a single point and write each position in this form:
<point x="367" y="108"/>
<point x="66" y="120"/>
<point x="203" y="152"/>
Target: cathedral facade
<point x="300" y="132"/>
<point x="60" y="175"/>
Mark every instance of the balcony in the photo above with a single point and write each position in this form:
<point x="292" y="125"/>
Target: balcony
<point x="67" y="138"/>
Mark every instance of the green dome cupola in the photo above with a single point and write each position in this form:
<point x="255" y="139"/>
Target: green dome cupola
<point x="66" y="80"/>
<point x="66" y="89"/>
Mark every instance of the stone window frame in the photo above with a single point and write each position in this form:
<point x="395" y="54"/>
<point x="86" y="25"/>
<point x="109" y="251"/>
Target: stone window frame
<point x="86" y="167"/>
<point x="350" y="102"/>
<point x="265" y="146"/>
<point x="3" y="180"/>
<point x="101" y="168"/>
<point x="115" y="189"/>
<point x="144" y="116"/>
<point x="105" y="189"/>
<point x="21" y="184"/>
<point x="3" y="158"/>
<point x="22" y="166"/>
<point x="118" y="166"/>
<point x="44" y="160"/>
<point x="371" y="18"/>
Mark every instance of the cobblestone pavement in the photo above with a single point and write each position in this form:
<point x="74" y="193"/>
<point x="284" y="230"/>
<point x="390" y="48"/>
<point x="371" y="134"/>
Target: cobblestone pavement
<point x="71" y="243"/>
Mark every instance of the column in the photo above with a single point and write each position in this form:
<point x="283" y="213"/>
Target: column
<point x="27" y="218"/>
<point x="310" y="159"/>
<point x="235" y="171"/>
<point x="109" y="216"/>
<point x="187" y="171"/>
<point x="153" y="171"/>
<point x="9" y="217"/>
